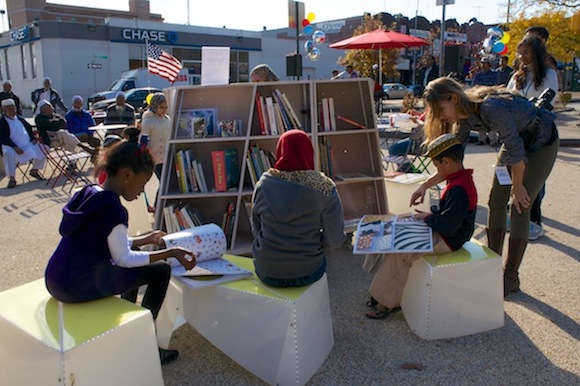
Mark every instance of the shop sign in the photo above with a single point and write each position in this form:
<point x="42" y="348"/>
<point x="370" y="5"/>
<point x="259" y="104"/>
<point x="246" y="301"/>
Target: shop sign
<point x="21" y="33"/>
<point x="141" y="34"/>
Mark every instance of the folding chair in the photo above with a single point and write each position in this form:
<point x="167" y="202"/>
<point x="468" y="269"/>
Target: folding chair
<point x="24" y="168"/>
<point x="61" y="161"/>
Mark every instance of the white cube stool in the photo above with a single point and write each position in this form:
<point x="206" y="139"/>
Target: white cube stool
<point x="455" y="294"/>
<point x="399" y="190"/>
<point x="104" y="342"/>
<point x="282" y="335"/>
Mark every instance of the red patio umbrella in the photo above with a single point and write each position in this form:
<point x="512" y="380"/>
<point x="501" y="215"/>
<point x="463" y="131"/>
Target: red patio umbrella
<point x="378" y="40"/>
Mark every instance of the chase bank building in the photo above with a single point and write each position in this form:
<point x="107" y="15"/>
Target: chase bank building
<point x="84" y="49"/>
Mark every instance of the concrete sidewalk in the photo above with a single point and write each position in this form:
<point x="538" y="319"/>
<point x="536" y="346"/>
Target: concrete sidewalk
<point x="539" y="344"/>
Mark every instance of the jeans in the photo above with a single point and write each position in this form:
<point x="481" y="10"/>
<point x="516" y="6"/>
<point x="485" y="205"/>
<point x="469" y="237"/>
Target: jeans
<point x="294" y="282"/>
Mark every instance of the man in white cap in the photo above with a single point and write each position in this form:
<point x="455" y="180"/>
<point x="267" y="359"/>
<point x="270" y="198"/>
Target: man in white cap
<point x="18" y="143"/>
<point x="7" y="93"/>
<point x="48" y="93"/>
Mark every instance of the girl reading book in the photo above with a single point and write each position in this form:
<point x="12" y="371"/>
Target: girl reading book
<point x="94" y="258"/>
<point x="297" y="214"/>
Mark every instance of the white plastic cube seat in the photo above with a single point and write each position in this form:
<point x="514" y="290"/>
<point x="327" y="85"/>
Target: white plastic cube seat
<point x="104" y="342"/>
<point x="455" y="294"/>
<point x="282" y="335"/>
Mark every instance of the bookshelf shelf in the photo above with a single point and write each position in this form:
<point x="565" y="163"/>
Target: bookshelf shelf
<point x="348" y="151"/>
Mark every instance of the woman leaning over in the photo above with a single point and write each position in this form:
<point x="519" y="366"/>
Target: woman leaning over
<point x="529" y="146"/>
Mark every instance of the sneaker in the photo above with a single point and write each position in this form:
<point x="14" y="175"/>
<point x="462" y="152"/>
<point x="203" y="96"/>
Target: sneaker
<point x="536" y="231"/>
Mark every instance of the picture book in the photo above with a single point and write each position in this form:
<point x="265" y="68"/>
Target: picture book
<point x="230" y="128"/>
<point x="208" y="243"/>
<point x="392" y="234"/>
<point x="196" y="123"/>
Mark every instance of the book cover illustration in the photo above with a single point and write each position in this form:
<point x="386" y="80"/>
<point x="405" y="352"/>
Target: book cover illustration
<point x="392" y="234"/>
<point x="208" y="243"/>
<point x="230" y="128"/>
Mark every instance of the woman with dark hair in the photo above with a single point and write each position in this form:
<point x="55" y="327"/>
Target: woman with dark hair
<point x="94" y="258"/>
<point x="535" y="75"/>
<point x="529" y="146"/>
<point x="297" y="214"/>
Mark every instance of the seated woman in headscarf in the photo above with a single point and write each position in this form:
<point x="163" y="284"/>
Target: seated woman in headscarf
<point x="297" y="215"/>
<point x="263" y="73"/>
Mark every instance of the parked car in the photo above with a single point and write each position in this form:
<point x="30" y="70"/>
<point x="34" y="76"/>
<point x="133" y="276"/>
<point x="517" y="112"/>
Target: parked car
<point x="135" y="97"/>
<point x="395" y="90"/>
<point x="417" y="89"/>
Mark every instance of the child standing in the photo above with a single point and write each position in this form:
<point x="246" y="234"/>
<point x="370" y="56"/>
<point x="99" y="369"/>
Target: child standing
<point x="452" y="226"/>
<point x="94" y="259"/>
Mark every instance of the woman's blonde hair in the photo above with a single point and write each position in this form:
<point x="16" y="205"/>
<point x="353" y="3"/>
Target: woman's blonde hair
<point x="468" y="102"/>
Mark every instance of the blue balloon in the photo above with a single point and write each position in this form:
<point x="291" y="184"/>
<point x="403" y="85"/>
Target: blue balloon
<point x="495" y="32"/>
<point x="498" y="47"/>
<point x="308" y="29"/>
<point x="314" y="55"/>
<point x="308" y="46"/>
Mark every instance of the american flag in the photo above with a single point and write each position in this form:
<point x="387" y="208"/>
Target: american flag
<point x="161" y="63"/>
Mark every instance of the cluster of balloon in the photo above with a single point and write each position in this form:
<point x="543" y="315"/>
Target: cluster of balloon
<point x="318" y="37"/>
<point x="496" y="42"/>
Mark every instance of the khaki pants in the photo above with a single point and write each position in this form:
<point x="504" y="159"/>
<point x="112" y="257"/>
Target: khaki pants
<point x="538" y="167"/>
<point x="65" y="139"/>
<point x="391" y="272"/>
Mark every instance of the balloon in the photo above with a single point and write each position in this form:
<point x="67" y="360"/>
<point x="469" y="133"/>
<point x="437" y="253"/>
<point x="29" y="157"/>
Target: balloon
<point x="311" y="16"/>
<point x="308" y="29"/>
<point x="314" y="55"/>
<point x="505" y="51"/>
<point x="498" y="47"/>
<point x="305" y="22"/>
<point x="308" y="46"/>
<point x="488" y="45"/>
<point x="148" y="98"/>
<point x="319" y="37"/>
<point x="506" y="38"/>
<point x="495" y="31"/>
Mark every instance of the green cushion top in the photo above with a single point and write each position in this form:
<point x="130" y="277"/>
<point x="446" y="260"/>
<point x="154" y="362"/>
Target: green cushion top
<point x="31" y="308"/>
<point x="254" y="285"/>
<point x="470" y="251"/>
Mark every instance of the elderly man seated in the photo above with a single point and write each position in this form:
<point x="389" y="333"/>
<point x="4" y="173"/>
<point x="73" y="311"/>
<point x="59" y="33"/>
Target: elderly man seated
<point x="120" y="112"/>
<point x="18" y="143"/>
<point x="53" y="130"/>
<point x="79" y="120"/>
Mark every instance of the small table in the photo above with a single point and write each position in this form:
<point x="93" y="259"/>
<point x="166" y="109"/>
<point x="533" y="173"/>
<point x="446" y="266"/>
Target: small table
<point x="102" y="130"/>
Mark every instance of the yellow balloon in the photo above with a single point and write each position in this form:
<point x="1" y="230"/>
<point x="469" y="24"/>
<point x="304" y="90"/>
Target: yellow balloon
<point x="505" y="38"/>
<point x="148" y="99"/>
<point x="311" y="16"/>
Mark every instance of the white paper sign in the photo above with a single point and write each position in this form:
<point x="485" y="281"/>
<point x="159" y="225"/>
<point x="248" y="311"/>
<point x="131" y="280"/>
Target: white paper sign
<point x="503" y="176"/>
<point x="215" y="65"/>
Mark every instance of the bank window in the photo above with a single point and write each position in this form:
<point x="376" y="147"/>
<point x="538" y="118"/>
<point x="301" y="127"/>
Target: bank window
<point x="6" y="64"/>
<point x="32" y="61"/>
<point x="189" y="54"/>
<point x="137" y="56"/>
<point x="239" y="66"/>
<point x="23" y="60"/>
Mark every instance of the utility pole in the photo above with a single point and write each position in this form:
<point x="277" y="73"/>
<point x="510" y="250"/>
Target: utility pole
<point x="442" y="52"/>
<point x="415" y="49"/>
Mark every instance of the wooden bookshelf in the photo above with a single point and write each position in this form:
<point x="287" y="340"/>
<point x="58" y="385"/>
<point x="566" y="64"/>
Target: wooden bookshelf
<point x="354" y="152"/>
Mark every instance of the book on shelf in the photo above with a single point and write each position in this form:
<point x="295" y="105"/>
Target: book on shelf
<point x="325" y="121"/>
<point x="332" y="114"/>
<point x="325" y="155"/>
<point x="271" y="116"/>
<point x="179" y="216"/>
<point x="260" y="113"/>
<point x="229" y="128"/>
<point x="196" y="123"/>
<point x="351" y="122"/>
<point x="392" y="234"/>
<point x="208" y="243"/>
<point x="288" y="106"/>
<point x="228" y="221"/>
<point x="218" y="160"/>
<point x="232" y="167"/>
<point x="251" y="169"/>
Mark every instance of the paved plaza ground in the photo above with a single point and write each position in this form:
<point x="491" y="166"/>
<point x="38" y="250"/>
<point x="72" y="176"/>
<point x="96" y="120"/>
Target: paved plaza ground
<point x="539" y="344"/>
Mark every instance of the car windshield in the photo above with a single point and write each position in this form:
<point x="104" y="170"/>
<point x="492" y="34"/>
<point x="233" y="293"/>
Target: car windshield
<point x="116" y="85"/>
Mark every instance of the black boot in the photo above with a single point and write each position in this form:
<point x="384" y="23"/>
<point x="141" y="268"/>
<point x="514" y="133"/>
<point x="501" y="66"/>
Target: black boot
<point x="167" y="356"/>
<point x="495" y="238"/>
<point x="511" y="280"/>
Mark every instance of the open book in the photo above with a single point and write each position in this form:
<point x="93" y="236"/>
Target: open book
<point x="392" y="234"/>
<point x="208" y="243"/>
